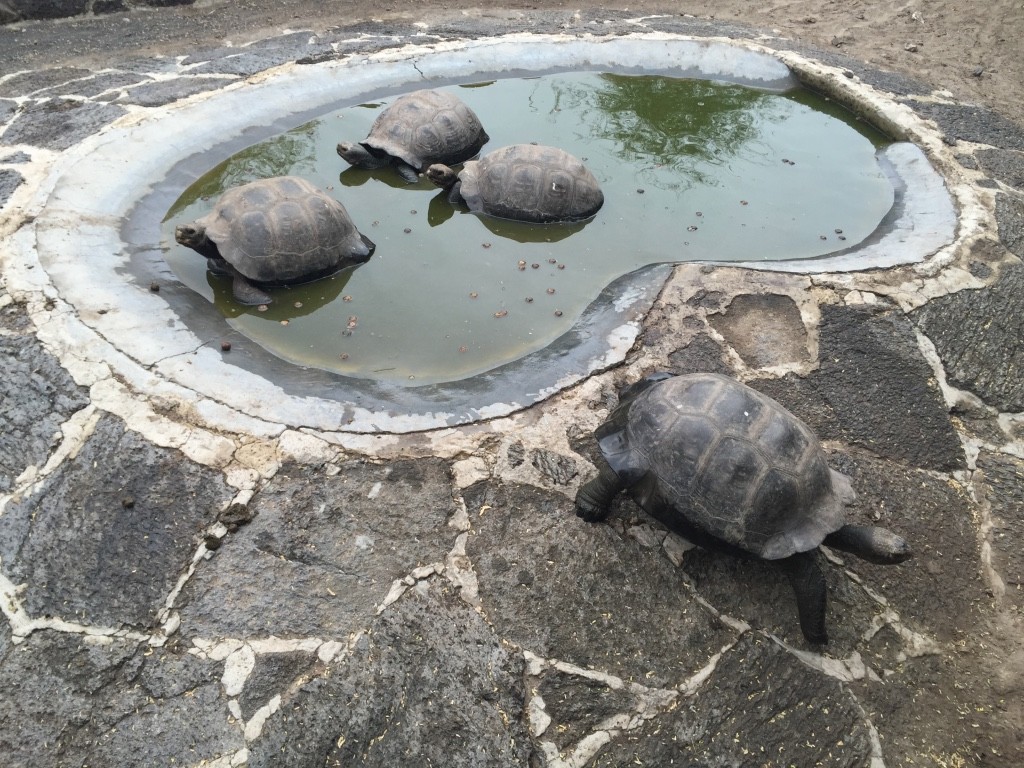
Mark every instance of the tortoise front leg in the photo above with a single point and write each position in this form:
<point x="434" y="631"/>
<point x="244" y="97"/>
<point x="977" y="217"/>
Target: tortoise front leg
<point x="407" y="172"/>
<point x="594" y="498"/>
<point x="811" y="596"/>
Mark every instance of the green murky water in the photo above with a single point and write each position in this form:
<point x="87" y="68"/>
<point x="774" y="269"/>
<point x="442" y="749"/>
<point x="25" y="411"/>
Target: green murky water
<point x="691" y="170"/>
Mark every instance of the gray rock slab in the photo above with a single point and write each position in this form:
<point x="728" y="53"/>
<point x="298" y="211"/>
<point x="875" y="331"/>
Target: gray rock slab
<point x="967" y="122"/>
<point x="36" y="397"/>
<point x="584" y="593"/>
<point x="977" y="334"/>
<point x="16" y="158"/>
<point x="7" y="108"/>
<point x="59" y="123"/>
<point x="429" y="682"/>
<point x="84" y="702"/>
<point x="25" y="83"/>
<point x="272" y="675"/>
<point x="93" y="86"/>
<point x="10" y="180"/>
<point x="1003" y="485"/>
<point x="1003" y="164"/>
<point x="748" y="713"/>
<point x="105" y="538"/>
<point x="165" y="91"/>
<point x="322" y="551"/>
<point x="873" y="388"/>
<point x="702" y="353"/>
<point x="1010" y="219"/>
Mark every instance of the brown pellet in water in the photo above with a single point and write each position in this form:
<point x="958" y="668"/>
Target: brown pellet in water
<point x="225" y="346"/>
<point x="501" y="313"/>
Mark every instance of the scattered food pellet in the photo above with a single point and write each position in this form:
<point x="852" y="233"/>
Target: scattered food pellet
<point x="501" y="313"/>
<point x="640" y="191"/>
<point x="154" y="287"/>
<point x="743" y="202"/>
<point x="284" y="322"/>
<point x="407" y="230"/>
<point x="486" y="245"/>
<point x="343" y="355"/>
<point x="551" y="290"/>
<point x="692" y="228"/>
<point x="262" y="308"/>
<point x="346" y="297"/>
<point x="473" y="294"/>
<point x="552" y="261"/>
<point x="529" y="299"/>
<point x="699" y="214"/>
<point x="535" y="266"/>
<point x="225" y="346"/>
<point x="822" y="237"/>
<point x="413" y="211"/>
<point x="298" y="304"/>
<point x="839" y="231"/>
<point x="561" y="266"/>
<point x="463" y="348"/>
<point x="558" y="313"/>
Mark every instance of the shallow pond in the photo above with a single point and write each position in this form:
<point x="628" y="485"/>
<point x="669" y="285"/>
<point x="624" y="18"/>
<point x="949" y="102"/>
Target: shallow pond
<point x="692" y="170"/>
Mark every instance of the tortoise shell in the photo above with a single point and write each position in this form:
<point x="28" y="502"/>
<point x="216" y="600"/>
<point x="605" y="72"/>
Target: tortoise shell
<point x="284" y="230"/>
<point x="426" y="127"/>
<point x="530" y="182"/>
<point x="710" y="456"/>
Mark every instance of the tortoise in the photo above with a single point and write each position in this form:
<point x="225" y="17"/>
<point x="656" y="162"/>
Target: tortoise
<point x="731" y="470"/>
<point x="525" y="182"/>
<point x="418" y="129"/>
<point x="276" y="231"/>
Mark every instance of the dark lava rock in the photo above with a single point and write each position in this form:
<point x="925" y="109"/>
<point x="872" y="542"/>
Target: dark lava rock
<point x="1003" y="164"/>
<point x="48" y="9"/>
<point x="271" y="676"/>
<point x="428" y="684"/>
<point x="83" y="702"/>
<point x="556" y="467"/>
<point x="10" y="180"/>
<point x="1003" y="486"/>
<point x="972" y="123"/>
<point x="36" y="397"/>
<point x="16" y="158"/>
<point x="107" y="535"/>
<point x="873" y="388"/>
<point x="322" y="551"/>
<point x="761" y="707"/>
<point x="165" y="91"/>
<point x="7" y="108"/>
<point x="59" y="123"/>
<point x="702" y="354"/>
<point x="1010" y="219"/>
<point x="96" y="85"/>
<point x="577" y="705"/>
<point x="582" y="592"/>
<point x="977" y="334"/>
<point x="24" y="83"/>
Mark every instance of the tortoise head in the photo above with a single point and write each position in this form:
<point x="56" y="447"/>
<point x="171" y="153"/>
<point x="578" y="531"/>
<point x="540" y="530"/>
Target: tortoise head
<point x="360" y="156"/>
<point x="442" y="175"/>
<point x="193" y="235"/>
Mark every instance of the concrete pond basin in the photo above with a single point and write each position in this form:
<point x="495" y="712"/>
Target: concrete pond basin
<point x="207" y="559"/>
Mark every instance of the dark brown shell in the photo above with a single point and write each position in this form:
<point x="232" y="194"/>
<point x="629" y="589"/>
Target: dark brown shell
<point x="426" y="127"/>
<point x="707" y="452"/>
<point x="529" y="182"/>
<point x="283" y="230"/>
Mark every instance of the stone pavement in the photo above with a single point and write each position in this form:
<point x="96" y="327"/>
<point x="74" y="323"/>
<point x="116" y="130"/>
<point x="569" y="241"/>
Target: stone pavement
<point x="184" y="588"/>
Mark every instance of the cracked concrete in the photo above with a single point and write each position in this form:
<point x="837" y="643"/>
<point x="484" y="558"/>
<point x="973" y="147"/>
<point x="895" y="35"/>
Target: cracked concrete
<point x="187" y="580"/>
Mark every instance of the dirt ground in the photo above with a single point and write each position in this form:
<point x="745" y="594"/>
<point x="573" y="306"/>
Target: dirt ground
<point x="973" y="50"/>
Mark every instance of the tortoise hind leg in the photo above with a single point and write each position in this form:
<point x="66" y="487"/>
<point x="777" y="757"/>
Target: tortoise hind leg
<point x="595" y="497"/>
<point x="868" y="542"/>
<point x="407" y="172"/>
<point x="811" y="598"/>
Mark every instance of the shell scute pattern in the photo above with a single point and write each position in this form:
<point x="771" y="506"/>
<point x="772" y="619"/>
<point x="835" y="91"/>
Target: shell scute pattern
<point x="750" y="473"/>
<point x="425" y="127"/>
<point x="531" y="183"/>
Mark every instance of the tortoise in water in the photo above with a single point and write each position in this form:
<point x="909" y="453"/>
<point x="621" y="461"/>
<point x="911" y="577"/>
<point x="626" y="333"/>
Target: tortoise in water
<point x="418" y="129"/>
<point x="525" y="182"/>
<point x="730" y="469"/>
<point x="277" y="231"/>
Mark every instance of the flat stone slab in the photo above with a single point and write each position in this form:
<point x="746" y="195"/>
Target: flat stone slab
<point x="104" y="539"/>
